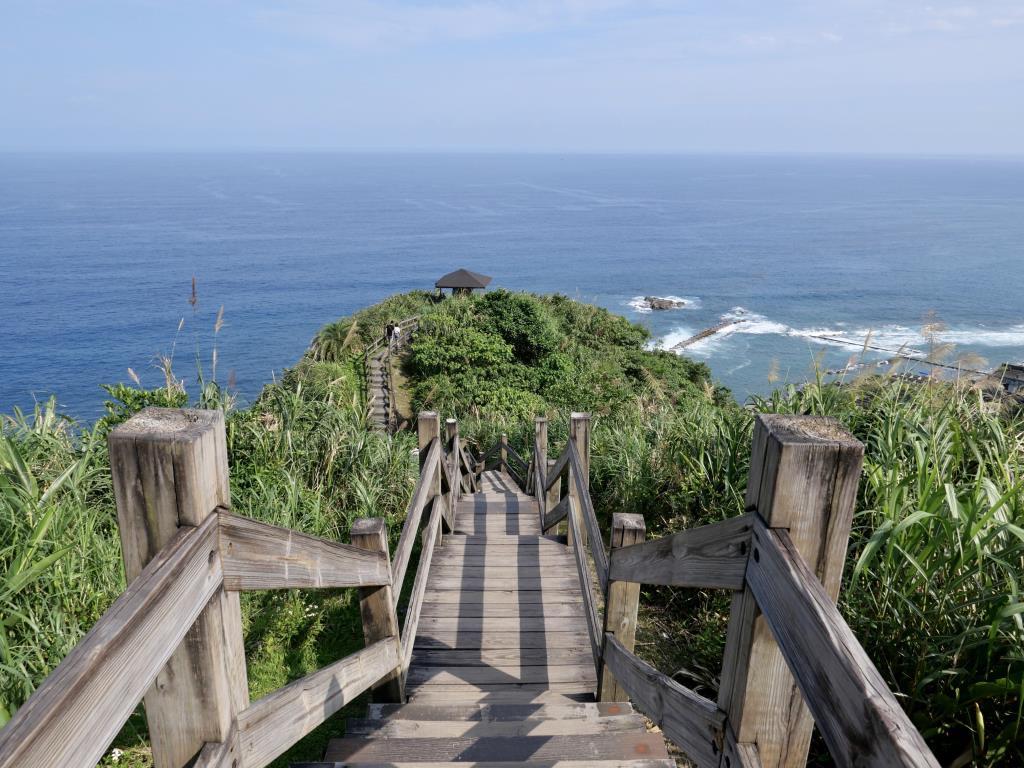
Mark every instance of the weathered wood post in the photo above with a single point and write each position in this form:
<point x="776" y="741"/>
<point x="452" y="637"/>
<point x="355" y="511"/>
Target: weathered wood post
<point x="377" y="607"/>
<point x="540" y="463"/>
<point x="428" y="427"/>
<point x="579" y="435"/>
<point x="503" y="453"/>
<point x="622" y="601"/>
<point x="804" y="472"/>
<point x="170" y="471"/>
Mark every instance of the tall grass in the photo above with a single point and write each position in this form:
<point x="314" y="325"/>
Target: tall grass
<point x="933" y="581"/>
<point x="301" y="456"/>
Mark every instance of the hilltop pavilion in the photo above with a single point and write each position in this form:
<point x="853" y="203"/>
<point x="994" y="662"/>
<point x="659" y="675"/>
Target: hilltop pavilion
<point x="462" y="282"/>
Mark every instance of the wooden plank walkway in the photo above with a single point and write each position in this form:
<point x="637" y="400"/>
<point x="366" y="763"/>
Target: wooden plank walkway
<point x="376" y="387"/>
<point x="502" y="672"/>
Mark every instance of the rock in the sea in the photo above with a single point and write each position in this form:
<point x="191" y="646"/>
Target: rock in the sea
<point x="656" y="302"/>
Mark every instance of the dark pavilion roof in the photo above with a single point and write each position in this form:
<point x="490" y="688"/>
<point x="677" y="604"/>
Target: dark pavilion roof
<point x="463" y="278"/>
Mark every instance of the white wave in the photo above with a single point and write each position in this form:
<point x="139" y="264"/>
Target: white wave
<point x="892" y="338"/>
<point x="640" y="304"/>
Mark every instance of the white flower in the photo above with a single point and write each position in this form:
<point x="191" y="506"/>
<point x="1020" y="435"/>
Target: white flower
<point x="115" y="755"/>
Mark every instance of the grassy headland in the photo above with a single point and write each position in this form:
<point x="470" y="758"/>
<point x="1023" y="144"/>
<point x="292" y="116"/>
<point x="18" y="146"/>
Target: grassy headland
<point x="932" y="587"/>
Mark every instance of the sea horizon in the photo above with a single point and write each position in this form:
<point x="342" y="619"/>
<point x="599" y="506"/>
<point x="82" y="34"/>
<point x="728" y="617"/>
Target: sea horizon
<point x="99" y="249"/>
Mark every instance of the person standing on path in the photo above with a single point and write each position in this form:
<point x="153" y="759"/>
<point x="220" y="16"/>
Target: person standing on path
<point x="390" y="334"/>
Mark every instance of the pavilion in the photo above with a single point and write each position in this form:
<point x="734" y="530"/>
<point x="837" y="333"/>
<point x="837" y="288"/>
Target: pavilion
<point x="462" y="282"/>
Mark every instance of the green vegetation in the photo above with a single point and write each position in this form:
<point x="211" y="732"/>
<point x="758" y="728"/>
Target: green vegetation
<point x="301" y="456"/>
<point x="932" y="585"/>
<point x="933" y="580"/>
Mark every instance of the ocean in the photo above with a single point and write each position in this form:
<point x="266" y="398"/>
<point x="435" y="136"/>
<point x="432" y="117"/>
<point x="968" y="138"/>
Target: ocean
<point x="814" y="253"/>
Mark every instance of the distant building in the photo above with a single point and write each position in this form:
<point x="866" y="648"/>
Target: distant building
<point x="462" y="282"/>
<point x="1012" y="377"/>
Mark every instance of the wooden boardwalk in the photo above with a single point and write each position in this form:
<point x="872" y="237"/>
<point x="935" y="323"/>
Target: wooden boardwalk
<point x="516" y="648"/>
<point x="502" y="669"/>
<point x="378" y="395"/>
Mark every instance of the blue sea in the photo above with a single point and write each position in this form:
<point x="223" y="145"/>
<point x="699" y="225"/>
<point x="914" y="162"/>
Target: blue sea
<point x="98" y="251"/>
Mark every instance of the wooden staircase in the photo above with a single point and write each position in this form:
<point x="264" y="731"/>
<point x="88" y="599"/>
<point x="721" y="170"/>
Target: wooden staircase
<point x="502" y="671"/>
<point x="516" y="648"/>
<point x="377" y="390"/>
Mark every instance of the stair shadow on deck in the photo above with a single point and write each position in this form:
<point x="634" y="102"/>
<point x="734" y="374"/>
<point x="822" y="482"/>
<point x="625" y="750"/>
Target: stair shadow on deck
<point x="502" y="630"/>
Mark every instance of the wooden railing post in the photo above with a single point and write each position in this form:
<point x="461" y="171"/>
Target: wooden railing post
<point x="579" y="435"/>
<point x="540" y="463"/>
<point x="428" y="427"/>
<point x="170" y="470"/>
<point x="621" y="603"/>
<point x="503" y="453"/>
<point x="376" y="605"/>
<point x="804" y="472"/>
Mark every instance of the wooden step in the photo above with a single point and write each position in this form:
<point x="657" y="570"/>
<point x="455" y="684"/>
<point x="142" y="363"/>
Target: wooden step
<point x="666" y="763"/>
<point x="445" y="695"/>
<point x="512" y="675"/>
<point x="457" y="541"/>
<point x="456" y="581"/>
<point x="522" y="749"/>
<point x="575" y="624"/>
<point x="505" y="610"/>
<point x="502" y="657"/>
<point x="522" y="559"/>
<point x="449" y="729"/>
<point x="502" y="597"/>
<point x="492" y="639"/>
<point x="497" y="712"/>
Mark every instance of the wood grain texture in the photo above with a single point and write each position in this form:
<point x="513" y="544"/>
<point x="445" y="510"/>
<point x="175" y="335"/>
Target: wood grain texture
<point x="561" y="464"/>
<point x="77" y="711"/>
<point x="708" y="557"/>
<point x="406" y="729"/>
<point x="690" y="721"/>
<point x="377" y="607"/>
<point x="585" y="510"/>
<point x="419" y="588"/>
<point x="462" y="596"/>
<point x="424" y="492"/>
<point x="170" y="470"/>
<point x="439" y="638"/>
<point x="502" y="610"/>
<point x="856" y="713"/>
<point x="487" y="712"/>
<point x="556" y="515"/>
<point x="622" y="601"/>
<point x="497" y="675"/>
<point x="271" y="725"/>
<point x="803" y="476"/>
<point x="523" y="749"/>
<point x="258" y="555"/>
<point x="586" y="589"/>
<point x="503" y="657"/>
<point x="540" y="464"/>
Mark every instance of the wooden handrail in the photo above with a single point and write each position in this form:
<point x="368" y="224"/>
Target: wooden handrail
<point x="687" y="718"/>
<point x="589" y="604"/>
<point x="80" y="707"/>
<point x="561" y="465"/>
<point x="258" y="555"/>
<point x="424" y="491"/>
<point x="419" y="587"/>
<point x="192" y="575"/>
<point x="513" y="453"/>
<point x="556" y="515"/>
<point x="856" y="713"/>
<point x="707" y="557"/>
<point x="269" y="726"/>
<point x="586" y="510"/>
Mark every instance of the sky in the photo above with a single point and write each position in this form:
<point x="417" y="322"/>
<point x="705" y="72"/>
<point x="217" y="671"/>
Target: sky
<point x="495" y="75"/>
